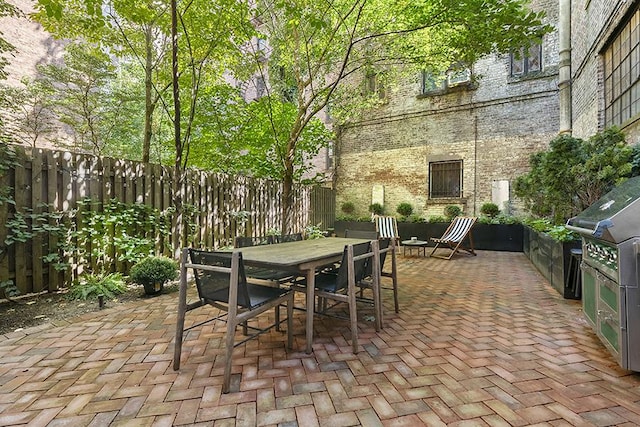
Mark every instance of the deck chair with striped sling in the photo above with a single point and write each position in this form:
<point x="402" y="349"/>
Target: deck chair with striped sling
<point x="455" y="235"/>
<point x="387" y="227"/>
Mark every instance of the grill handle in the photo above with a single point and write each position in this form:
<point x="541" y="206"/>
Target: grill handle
<point x="580" y="230"/>
<point x="601" y="226"/>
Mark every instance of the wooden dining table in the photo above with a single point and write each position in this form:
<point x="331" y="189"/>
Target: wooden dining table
<point x="304" y="257"/>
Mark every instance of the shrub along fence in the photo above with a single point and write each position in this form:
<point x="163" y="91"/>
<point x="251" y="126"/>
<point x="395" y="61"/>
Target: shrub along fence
<point x="51" y="187"/>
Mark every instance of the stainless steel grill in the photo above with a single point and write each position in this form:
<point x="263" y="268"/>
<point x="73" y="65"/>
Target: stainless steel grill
<point x="610" y="231"/>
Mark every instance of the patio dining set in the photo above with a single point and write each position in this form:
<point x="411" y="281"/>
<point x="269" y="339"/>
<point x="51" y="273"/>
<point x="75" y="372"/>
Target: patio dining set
<point x="263" y="273"/>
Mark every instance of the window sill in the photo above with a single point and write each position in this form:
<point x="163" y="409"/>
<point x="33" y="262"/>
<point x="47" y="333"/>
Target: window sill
<point x="460" y="87"/>
<point x="446" y="201"/>
<point x="547" y="72"/>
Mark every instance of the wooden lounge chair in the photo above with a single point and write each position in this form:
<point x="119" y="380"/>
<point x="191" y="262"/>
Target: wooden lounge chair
<point x="455" y="235"/>
<point x="221" y="282"/>
<point x="387" y="227"/>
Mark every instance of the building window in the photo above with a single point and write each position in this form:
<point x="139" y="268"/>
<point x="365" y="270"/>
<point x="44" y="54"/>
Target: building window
<point x="374" y="85"/>
<point x="622" y="72"/>
<point x="445" y="179"/>
<point x="526" y="61"/>
<point x="433" y="83"/>
<point x="457" y="75"/>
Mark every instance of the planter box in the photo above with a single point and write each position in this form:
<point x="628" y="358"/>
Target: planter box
<point x="551" y="258"/>
<point x="339" y="227"/>
<point x="489" y="237"/>
<point x="498" y="237"/>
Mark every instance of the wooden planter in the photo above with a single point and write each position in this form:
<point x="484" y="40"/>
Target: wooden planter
<point x="490" y="237"/>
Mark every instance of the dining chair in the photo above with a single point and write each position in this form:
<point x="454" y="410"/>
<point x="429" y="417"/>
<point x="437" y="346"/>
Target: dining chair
<point x="283" y="238"/>
<point x="244" y="241"/>
<point x="368" y="282"/>
<point x="341" y="287"/>
<point x="361" y="234"/>
<point x="221" y="282"/>
<point x="276" y="277"/>
<point x="385" y="246"/>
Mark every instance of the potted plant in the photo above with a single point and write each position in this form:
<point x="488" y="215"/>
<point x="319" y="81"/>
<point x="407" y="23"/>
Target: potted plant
<point x="153" y="272"/>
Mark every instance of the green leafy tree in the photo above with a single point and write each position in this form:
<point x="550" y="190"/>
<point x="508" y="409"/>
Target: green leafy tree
<point x="29" y="107"/>
<point x="248" y="137"/>
<point x="84" y="97"/>
<point x="317" y="46"/>
<point x="135" y="31"/>
<point x="573" y="173"/>
<point x="607" y="162"/>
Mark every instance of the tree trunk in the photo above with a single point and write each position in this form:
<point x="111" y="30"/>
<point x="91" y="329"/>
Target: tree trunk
<point x="178" y="178"/>
<point x="149" y="105"/>
<point x="287" y="194"/>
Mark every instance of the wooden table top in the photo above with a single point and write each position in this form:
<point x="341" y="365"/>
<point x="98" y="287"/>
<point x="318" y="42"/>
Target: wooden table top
<point x="295" y="254"/>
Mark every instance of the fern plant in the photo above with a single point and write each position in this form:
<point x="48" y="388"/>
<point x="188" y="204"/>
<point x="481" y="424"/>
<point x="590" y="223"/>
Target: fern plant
<point x="91" y="285"/>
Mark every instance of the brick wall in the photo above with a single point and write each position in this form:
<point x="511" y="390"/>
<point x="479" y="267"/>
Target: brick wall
<point x="34" y="46"/>
<point x="593" y="22"/>
<point x="493" y="128"/>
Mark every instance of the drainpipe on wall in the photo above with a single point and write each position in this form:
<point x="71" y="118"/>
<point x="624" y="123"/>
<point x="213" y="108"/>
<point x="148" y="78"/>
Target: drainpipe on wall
<point x="564" y="72"/>
<point x="475" y="163"/>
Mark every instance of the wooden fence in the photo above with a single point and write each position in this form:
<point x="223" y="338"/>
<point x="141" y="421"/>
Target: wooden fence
<point x="55" y="181"/>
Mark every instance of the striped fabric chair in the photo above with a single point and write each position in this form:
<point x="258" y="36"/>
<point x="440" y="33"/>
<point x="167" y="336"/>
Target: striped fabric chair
<point x="458" y="231"/>
<point x="387" y="227"/>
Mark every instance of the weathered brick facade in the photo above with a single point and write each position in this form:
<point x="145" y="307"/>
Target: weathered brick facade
<point x="493" y="128"/>
<point x="593" y="24"/>
<point x="33" y="45"/>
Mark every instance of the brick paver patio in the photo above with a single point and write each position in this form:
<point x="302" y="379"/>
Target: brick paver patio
<point x="479" y="341"/>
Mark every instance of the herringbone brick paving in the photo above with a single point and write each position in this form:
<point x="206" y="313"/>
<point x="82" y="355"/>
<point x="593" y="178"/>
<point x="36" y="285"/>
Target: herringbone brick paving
<point x="479" y="341"/>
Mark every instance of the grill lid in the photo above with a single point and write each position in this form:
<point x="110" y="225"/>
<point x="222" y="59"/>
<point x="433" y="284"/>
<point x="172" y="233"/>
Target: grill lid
<point x="615" y="217"/>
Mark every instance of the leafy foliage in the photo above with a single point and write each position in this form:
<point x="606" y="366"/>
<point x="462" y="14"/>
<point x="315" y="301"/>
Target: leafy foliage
<point x="501" y="218"/>
<point x="118" y="232"/>
<point x="153" y="270"/>
<point x="452" y="211"/>
<point x="437" y="218"/>
<point x="249" y="138"/>
<point x="90" y="286"/>
<point x="313" y="232"/>
<point x="557" y="232"/>
<point x="84" y="96"/>
<point x="405" y="209"/>
<point x="489" y="209"/>
<point x="416" y="218"/>
<point x="348" y="208"/>
<point x="376" y="209"/>
<point x="574" y="173"/>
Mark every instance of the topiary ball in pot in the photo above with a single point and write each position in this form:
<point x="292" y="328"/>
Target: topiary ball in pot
<point x="153" y="272"/>
<point x="405" y="209"/>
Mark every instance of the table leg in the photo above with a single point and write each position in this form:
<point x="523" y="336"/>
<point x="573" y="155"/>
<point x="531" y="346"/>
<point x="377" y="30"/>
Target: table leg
<point x="311" y="283"/>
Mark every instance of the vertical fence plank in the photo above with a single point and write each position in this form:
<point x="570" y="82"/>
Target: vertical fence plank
<point x="51" y="160"/>
<point x="37" y="182"/>
<point x="23" y="205"/>
<point x="106" y="176"/>
<point x="67" y="202"/>
<point x="5" y="182"/>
